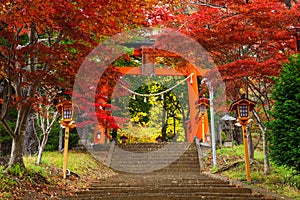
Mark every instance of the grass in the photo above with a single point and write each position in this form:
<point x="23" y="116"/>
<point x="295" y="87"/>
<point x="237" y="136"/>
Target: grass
<point x="281" y="180"/>
<point x="45" y="181"/>
<point x="78" y="162"/>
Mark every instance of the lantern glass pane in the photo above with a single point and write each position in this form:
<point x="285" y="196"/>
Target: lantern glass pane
<point x="202" y="108"/>
<point x="67" y="114"/>
<point x="108" y="110"/>
<point x="243" y="110"/>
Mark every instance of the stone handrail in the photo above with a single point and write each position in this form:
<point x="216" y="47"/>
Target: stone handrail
<point x="200" y="155"/>
<point x="111" y="150"/>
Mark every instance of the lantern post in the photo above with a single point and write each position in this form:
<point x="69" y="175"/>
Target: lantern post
<point x="243" y="107"/>
<point x="108" y="114"/>
<point x="203" y="104"/>
<point x="66" y="110"/>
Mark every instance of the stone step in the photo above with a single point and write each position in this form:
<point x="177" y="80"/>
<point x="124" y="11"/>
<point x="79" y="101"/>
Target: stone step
<point x="164" y="197"/>
<point x="174" y="189"/>
<point x="141" y="169"/>
<point x="174" y="195"/>
<point x="184" y="168"/>
<point x="211" y="184"/>
<point x="167" y="170"/>
<point x="157" y="147"/>
<point x="118" y="158"/>
<point x="162" y="160"/>
<point x="154" y="145"/>
<point x="141" y="150"/>
<point x="166" y="164"/>
<point x="160" y="180"/>
<point x="153" y="155"/>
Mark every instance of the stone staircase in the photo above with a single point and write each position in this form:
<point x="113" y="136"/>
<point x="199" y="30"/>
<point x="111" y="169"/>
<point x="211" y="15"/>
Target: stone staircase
<point x="161" y="171"/>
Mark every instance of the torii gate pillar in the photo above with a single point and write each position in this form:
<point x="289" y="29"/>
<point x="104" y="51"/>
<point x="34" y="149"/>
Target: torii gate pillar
<point x="192" y="127"/>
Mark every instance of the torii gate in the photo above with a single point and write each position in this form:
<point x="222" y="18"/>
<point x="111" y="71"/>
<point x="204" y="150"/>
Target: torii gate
<point x="148" y="53"/>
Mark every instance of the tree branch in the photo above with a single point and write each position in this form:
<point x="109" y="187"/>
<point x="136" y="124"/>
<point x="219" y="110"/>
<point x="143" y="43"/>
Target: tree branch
<point x="204" y="3"/>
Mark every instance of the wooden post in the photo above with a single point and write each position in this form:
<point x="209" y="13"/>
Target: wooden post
<point x="203" y="129"/>
<point x="245" y="140"/>
<point x="67" y="130"/>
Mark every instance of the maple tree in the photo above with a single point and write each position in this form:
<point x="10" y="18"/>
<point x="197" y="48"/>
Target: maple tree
<point x="43" y="44"/>
<point x="248" y="40"/>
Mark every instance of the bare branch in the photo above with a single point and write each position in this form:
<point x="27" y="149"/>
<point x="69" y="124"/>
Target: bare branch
<point x="204" y="3"/>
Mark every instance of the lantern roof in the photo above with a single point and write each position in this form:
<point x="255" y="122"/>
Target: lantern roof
<point x="203" y="100"/>
<point x="158" y="138"/>
<point x="123" y="137"/>
<point x="242" y="101"/>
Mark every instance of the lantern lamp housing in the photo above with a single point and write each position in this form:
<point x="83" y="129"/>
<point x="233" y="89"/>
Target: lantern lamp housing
<point x="68" y="112"/>
<point x="242" y="107"/>
<point x="202" y="108"/>
<point x="123" y="138"/>
<point x="107" y="108"/>
<point x="203" y="104"/>
<point x="65" y="108"/>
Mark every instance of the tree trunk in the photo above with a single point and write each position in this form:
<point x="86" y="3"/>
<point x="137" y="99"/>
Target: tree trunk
<point x="163" y="124"/>
<point x="42" y="147"/>
<point x="288" y="4"/>
<point x="18" y="136"/>
<point x="45" y="121"/>
<point x="238" y="135"/>
<point x="16" y="156"/>
<point x="267" y="165"/>
<point x="31" y="142"/>
<point x="60" y="142"/>
<point x="250" y="144"/>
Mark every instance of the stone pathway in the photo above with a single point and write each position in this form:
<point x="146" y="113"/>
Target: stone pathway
<point x="175" y="176"/>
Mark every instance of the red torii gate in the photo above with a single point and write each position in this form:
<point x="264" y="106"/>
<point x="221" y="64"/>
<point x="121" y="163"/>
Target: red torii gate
<point x="192" y="127"/>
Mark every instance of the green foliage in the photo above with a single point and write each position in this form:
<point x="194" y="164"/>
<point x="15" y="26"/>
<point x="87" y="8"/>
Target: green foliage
<point x="284" y="129"/>
<point x="32" y="168"/>
<point x="156" y="115"/>
<point x="141" y="111"/>
<point x="16" y="170"/>
<point x="53" y="139"/>
<point x="127" y="60"/>
<point x="6" y="182"/>
<point x="230" y="152"/>
<point x="4" y="135"/>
